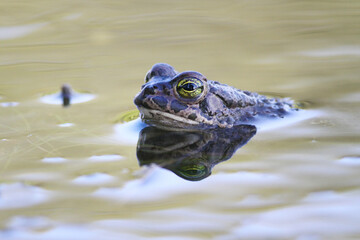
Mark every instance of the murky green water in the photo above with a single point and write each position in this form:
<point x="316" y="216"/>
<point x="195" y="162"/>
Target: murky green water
<point x="72" y="174"/>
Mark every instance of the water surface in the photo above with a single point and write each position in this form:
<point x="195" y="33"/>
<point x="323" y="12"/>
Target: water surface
<point x="72" y="174"/>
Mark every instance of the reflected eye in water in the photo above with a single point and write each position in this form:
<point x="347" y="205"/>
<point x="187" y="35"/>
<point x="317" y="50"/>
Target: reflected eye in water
<point x="190" y="88"/>
<point x="192" y="172"/>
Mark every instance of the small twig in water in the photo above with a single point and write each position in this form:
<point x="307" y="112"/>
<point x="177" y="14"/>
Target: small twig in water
<point x="66" y="93"/>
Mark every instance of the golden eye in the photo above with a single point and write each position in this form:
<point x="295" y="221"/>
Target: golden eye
<point x="190" y="88"/>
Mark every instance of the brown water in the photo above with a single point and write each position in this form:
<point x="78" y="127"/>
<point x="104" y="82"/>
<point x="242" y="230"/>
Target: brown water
<point x="77" y="181"/>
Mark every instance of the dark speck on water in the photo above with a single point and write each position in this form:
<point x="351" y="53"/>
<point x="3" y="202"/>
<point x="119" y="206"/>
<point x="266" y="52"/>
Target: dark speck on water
<point x="66" y="94"/>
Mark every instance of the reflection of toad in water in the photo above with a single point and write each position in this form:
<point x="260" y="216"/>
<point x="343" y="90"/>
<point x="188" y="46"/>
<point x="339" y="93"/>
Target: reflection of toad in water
<point x="191" y="154"/>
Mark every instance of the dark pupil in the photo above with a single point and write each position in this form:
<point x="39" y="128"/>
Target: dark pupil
<point x="193" y="172"/>
<point x="189" y="87"/>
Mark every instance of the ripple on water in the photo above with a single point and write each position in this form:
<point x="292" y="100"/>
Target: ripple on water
<point x="317" y="216"/>
<point x="54" y="160"/>
<point x="105" y="158"/>
<point x="128" y="133"/>
<point x="350" y="98"/>
<point x="350" y="161"/>
<point x="19" y="31"/>
<point x="94" y="179"/>
<point x="158" y="184"/>
<point x="39" y="176"/>
<point x="13" y="195"/>
<point x="9" y="104"/>
<point x="333" y="51"/>
<point x="29" y="223"/>
<point x="56" y="98"/>
<point x="68" y="231"/>
<point x="293" y="118"/>
<point x="66" y="124"/>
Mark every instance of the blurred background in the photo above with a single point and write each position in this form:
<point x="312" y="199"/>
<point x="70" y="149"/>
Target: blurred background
<point x="65" y="175"/>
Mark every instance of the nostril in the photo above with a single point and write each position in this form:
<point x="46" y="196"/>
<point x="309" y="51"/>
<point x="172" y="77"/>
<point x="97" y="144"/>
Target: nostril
<point x="149" y="91"/>
<point x="155" y="87"/>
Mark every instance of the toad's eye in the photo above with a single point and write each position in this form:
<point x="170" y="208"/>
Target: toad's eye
<point x="190" y="88"/>
<point x="193" y="172"/>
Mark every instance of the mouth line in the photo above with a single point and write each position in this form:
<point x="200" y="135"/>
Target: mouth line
<point x="156" y="115"/>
